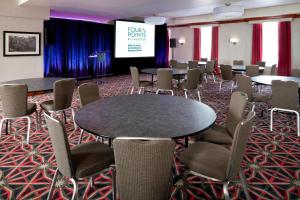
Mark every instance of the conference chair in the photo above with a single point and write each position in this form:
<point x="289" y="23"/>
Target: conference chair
<point x="295" y="73"/>
<point x="203" y="59"/>
<point x="143" y="168"/>
<point x="217" y="163"/>
<point x="261" y="63"/>
<point x="226" y="72"/>
<point x="173" y="63"/>
<point x="88" y="93"/>
<point x="238" y="62"/>
<point x="252" y="70"/>
<point x="164" y="81"/>
<point x="136" y="82"/>
<point x="181" y="66"/>
<point x="209" y="70"/>
<point x="285" y="98"/>
<point x="63" y="94"/>
<point x="82" y="161"/>
<point x="267" y="71"/>
<point x="15" y="105"/>
<point x="191" y="84"/>
<point x="193" y="64"/>
<point x="274" y="70"/>
<point x="224" y="135"/>
<point x="244" y="84"/>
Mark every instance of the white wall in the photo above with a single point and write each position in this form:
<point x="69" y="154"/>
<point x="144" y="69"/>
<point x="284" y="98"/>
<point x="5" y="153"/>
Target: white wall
<point x="11" y="19"/>
<point x="183" y="53"/>
<point x="243" y="31"/>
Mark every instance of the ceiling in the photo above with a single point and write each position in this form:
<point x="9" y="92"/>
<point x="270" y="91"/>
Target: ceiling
<point x="119" y="9"/>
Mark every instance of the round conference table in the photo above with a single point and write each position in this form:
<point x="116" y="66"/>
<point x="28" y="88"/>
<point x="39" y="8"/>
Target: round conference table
<point x="144" y="116"/>
<point x="242" y="68"/>
<point x="36" y="84"/>
<point x="267" y="80"/>
<point x="177" y="73"/>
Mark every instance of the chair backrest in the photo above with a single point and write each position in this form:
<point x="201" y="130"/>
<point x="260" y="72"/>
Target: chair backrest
<point x="267" y="71"/>
<point x="226" y="71"/>
<point x="88" y="92"/>
<point x="244" y="84"/>
<point x="193" y="77"/>
<point x="261" y="63"/>
<point x="173" y="63"/>
<point x="252" y="70"/>
<point x="135" y="76"/>
<point x="295" y="72"/>
<point x="285" y="94"/>
<point x="239" y="143"/>
<point x="210" y="67"/>
<point x="237" y="107"/>
<point x="61" y="148"/>
<point x="238" y="62"/>
<point x="193" y="64"/>
<point x="181" y="66"/>
<point x="274" y="70"/>
<point x="143" y="168"/>
<point x="164" y="79"/>
<point x="14" y="99"/>
<point x="63" y="93"/>
<point x="203" y="59"/>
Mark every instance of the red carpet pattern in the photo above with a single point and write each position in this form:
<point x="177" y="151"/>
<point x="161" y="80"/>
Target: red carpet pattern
<point x="271" y="162"/>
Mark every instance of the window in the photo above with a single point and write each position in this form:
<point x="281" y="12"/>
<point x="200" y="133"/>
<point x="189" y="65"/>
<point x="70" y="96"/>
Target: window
<point x="270" y="43"/>
<point x="206" y="37"/>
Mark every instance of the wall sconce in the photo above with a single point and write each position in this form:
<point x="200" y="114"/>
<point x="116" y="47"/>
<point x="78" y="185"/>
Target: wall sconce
<point x="234" y="41"/>
<point x="181" y="41"/>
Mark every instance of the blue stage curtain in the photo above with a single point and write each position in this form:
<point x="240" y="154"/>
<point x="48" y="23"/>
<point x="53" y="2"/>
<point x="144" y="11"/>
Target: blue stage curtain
<point x="161" y="46"/>
<point x="68" y="45"/>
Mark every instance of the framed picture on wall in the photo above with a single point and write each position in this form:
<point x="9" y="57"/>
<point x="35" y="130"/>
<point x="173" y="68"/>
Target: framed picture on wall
<point x="21" y="43"/>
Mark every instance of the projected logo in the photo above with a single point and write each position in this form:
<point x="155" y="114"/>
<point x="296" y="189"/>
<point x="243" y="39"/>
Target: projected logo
<point x="136" y="37"/>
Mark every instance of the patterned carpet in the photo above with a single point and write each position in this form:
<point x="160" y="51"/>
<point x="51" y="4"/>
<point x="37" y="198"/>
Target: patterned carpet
<point x="271" y="163"/>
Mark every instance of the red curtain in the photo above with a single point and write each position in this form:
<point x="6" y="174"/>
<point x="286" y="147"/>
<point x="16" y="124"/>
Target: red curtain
<point x="215" y="47"/>
<point x="284" y="48"/>
<point x="197" y="45"/>
<point x="257" y="43"/>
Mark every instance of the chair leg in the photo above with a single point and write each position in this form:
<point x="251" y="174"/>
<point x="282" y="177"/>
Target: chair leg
<point x="298" y="125"/>
<point x="271" y="120"/>
<point x="73" y="117"/>
<point x="140" y="90"/>
<point x="1" y="124"/>
<point x="220" y="85"/>
<point x="114" y="184"/>
<point x="75" y="189"/>
<point x="65" y="116"/>
<point x="157" y="91"/>
<point x="205" y="77"/>
<point x="53" y="184"/>
<point x="172" y="92"/>
<point x="232" y="85"/>
<point x="91" y="181"/>
<point x="28" y="129"/>
<point x="132" y="90"/>
<point x="199" y="96"/>
<point x="40" y="118"/>
<point x="253" y="106"/>
<point x="37" y="120"/>
<point x="80" y="136"/>
<point x="225" y="190"/>
<point x="185" y="94"/>
<point x="214" y="78"/>
<point x="244" y="185"/>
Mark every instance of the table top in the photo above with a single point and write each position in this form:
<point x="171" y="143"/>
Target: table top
<point x="267" y="79"/>
<point x="175" y="71"/>
<point x="243" y="68"/>
<point x="158" y="116"/>
<point x="36" y="84"/>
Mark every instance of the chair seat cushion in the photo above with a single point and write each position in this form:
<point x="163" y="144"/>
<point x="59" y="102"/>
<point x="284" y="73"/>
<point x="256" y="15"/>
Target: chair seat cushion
<point x="260" y="98"/>
<point x="216" y="134"/>
<point x="206" y="159"/>
<point x="145" y="83"/>
<point x="48" y="105"/>
<point x="31" y="108"/>
<point x="91" y="158"/>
